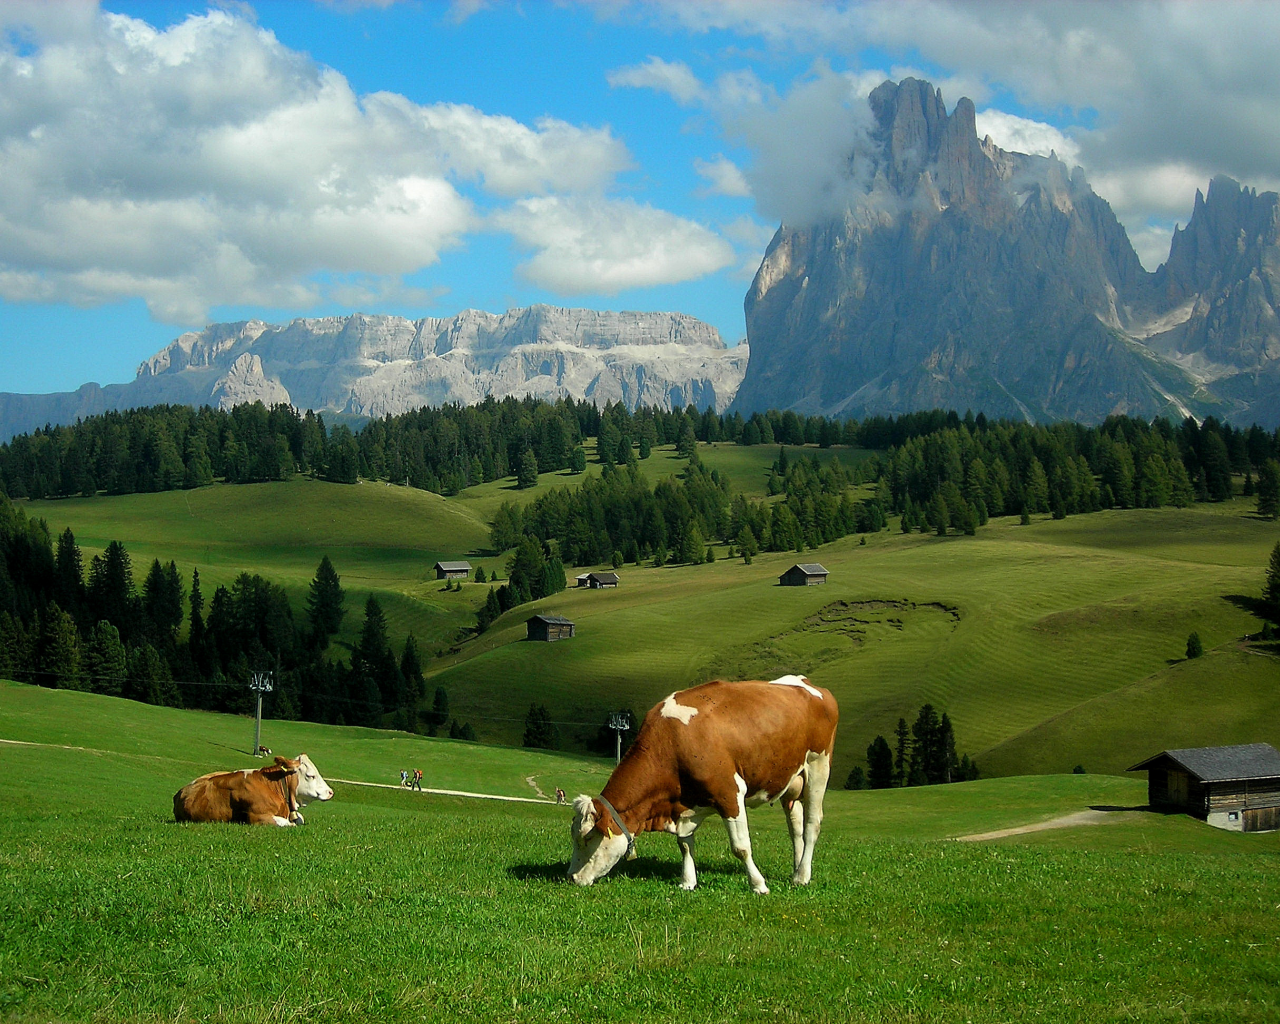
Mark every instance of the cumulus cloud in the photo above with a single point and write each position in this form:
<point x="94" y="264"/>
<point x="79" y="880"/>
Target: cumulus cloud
<point x="671" y="77"/>
<point x="208" y="164"/>
<point x="724" y="177"/>
<point x="1022" y="135"/>
<point x="594" y="244"/>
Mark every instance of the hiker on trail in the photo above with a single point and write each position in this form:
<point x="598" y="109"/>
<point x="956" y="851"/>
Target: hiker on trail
<point x="404" y="777"/>
<point x="417" y="779"/>
<point x="559" y="795"/>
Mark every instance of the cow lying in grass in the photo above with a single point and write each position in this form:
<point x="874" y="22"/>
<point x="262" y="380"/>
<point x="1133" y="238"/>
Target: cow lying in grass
<point x="271" y="795"/>
<point x="719" y="747"/>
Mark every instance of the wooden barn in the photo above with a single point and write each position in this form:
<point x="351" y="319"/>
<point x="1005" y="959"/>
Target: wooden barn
<point x="453" y="570"/>
<point x="804" y="574"/>
<point x="1236" y="788"/>
<point x="549" y="627"/>
<point x="597" y="580"/>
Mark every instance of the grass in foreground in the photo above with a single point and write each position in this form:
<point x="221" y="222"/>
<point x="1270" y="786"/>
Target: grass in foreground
<point x="394" y="907"/>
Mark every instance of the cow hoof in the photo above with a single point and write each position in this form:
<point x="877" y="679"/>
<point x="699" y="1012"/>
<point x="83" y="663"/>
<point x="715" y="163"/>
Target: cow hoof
<point x="799" y="880"/>
<point x="688" y="886"/>
<point x="762" y="891"/>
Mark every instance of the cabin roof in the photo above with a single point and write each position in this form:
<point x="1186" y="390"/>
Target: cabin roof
<point x="1222" y="764"/>
<point x="447" y="566"/>
<point x="551" y="620"/>
<point x="810" y="569"/>
<point x="604" y="577"/>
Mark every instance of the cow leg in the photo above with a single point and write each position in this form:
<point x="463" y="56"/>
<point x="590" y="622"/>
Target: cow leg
<point x="685" y="828"/>
<point x="794" y="810"/>
<point x="269" y="819"/>
<point x="740" y="838"/>
<point x="817" y="771"/>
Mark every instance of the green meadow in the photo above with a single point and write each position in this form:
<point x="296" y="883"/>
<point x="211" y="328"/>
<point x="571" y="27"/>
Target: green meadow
<point x="396" y="906"/>
<point x="1051" y="645"/>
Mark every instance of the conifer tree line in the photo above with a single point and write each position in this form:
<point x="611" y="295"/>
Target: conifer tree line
<point x="1010" y="466"/>
<point x="91" y="627"/>
<point x="922" y="755"/>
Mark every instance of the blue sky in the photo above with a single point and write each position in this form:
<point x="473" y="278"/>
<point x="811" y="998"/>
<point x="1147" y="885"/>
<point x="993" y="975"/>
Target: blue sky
<point x="173" y="164"/>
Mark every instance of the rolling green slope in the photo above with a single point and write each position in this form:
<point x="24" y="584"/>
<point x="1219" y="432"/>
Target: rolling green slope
<point x="1010" y="631"/>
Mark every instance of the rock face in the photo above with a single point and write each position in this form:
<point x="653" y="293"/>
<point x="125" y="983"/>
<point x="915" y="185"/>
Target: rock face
<point x="964" y="276"/>
<point x="375" y="365"/>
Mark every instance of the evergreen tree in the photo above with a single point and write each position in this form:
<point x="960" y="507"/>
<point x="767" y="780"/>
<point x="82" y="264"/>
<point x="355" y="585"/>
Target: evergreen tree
<point x="1268" y="490"/>
<point x="372" y="656"/>
<point x="489" y="611"/>
<point x="68" y="575"/>
<point x="111" y="593"/>
<point x="528" y="474"/>
<point x="902" y="753"/>
<point x="411" y="672"/>
<point x="1271" y="590"/>
<point x="539" y="731"/>
<point x="880" y="774"/>
<point x="58" y="649"/>
<point x="578" y="460"/>
<point x="1194" y="646"/>
<point x="480" y="577"/>
<point x="324" y="603"/>
<point x="104" y="660"/>
<point x="857" y="778"/>
<point x="439" y="713"/>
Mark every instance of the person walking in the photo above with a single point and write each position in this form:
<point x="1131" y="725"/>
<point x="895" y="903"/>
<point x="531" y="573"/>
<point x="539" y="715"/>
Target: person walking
<point x="559" y="795"/>
<point x="417" y="779"/>
<point x="404" y="777"/>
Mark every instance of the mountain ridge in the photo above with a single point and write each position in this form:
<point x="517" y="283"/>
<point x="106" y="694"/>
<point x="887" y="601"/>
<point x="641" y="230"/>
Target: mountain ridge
<point x="374" y="365"/>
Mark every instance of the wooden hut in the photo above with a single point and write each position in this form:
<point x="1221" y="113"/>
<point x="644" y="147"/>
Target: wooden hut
<point x="453" y="570"/>
<point x="803" y="574"/>
<point x="1236" y="788"/>
<point x="549" y="627"/>
<point x="601" y="580"/>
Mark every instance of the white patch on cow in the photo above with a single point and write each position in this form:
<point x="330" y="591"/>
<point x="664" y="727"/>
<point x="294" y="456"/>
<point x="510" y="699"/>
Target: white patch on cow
<point x="799" y="681"/>
<point x="281" y="821"/>
<point x="670" y="709"/>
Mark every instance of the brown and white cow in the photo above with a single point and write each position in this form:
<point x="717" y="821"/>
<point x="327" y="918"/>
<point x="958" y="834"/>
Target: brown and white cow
<point x="719" y="747"/>
<point x="271" y="795"/>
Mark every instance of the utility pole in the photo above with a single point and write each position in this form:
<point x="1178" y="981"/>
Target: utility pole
<point x="259" y="683"/>
<point x="619" y="722"/>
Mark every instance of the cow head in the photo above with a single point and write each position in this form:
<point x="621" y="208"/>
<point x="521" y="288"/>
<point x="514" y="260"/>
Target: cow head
<point x="598" y="842"/>
<point x="310" y="784"/>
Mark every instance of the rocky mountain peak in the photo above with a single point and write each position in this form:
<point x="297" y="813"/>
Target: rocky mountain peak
<point x="965" y="276"/>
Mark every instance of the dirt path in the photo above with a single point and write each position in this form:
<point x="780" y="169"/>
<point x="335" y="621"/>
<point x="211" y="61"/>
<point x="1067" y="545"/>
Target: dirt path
<point x="1066" y="821"/>
<point x="533" y="781"/>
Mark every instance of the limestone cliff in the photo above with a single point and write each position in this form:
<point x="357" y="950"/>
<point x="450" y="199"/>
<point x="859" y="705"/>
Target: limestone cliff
<point x="374" y="365"/>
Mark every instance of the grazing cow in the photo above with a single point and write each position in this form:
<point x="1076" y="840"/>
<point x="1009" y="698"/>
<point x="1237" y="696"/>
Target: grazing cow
<point x="271" y="795"/>
<point x="719" y="747"/>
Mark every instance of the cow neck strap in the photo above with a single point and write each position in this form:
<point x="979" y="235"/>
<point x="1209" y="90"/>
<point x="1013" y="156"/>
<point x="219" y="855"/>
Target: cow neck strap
<point x="631" y="841"/>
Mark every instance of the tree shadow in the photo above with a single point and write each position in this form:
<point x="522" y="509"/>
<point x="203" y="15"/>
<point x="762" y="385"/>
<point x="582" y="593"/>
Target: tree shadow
<point x="1253" y="605"/>
<point x="1118" y="807"/>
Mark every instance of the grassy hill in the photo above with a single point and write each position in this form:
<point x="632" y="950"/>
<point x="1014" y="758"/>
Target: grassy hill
<point x="398" y="907"/>
<point x="1049" y="645"/>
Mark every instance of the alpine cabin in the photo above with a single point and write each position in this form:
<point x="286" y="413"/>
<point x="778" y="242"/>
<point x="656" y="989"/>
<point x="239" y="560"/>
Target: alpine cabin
<point x="453" y="570"/>
<point x="1236" y="788"/>
<point x="549" y="627"/>
<point x="804" y="574"/>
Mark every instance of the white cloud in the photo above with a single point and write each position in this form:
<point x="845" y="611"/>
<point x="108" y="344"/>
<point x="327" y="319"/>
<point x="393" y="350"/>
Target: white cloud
<point x="672" y="77"/>
<point x="724" y="177"/>
<point x="207" y="164"/>
<point x="1022" y="135"/>
<point x="586" y="244"/>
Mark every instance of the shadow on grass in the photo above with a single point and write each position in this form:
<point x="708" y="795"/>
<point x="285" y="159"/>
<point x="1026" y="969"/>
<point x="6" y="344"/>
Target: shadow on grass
<point x="1253" y="605"/>
<point x="642" y="867"/>
<point x="1118" y="807"/>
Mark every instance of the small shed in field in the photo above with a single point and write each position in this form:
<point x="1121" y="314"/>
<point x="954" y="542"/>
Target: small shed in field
<point x="1236" y="788"/>
<point x="598" y="580"/>
<point x="549" y="627"/>
<point x="803" y="574"/>
<point x="453" y="570"/>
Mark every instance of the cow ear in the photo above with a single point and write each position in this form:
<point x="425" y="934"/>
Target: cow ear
<point x="289" y="766"/>
<point x="584" y="815"/>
